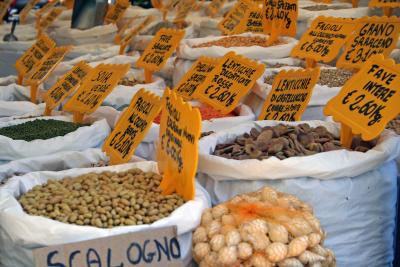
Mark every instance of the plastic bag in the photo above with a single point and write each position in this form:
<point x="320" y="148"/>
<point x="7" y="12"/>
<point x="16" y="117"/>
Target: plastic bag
<point x="353" y="194"/>
<point x="20" y="233"/>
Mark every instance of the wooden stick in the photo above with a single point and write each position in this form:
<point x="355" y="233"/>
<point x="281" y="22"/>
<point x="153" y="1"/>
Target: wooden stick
<point x="78" y="117"/>
<point x="354" y="3"/>
<point x="311" y="63"/>
<point x="122" y="49"/>
<point x="34" y="91"/>
<point x="148" y="76"/>
<point x="47" y="111"/>
<point x="20" y="79"/>
<point x="387" y="11"/>
<point x="346" y="136"/>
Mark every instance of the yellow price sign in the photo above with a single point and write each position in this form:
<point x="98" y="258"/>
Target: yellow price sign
<point x="116" y="11"/>
<point x="195" y="77"/>
<point x="46" y="8"/>
<point x="184" y="8"/>
<point x="324" y="39"/>
<point x="132" y="127"/>
<point x="45" y="67"/>
<point x="323" y="1"/>
<point x="180" y="128"/>
<point x="240" y="11"/>
<point x="384" y="3"/>
<point x="291" y="92"/>
<point x="283" y="13"/>
<point x="65" y="86"/>
<point x="230" y="80"/>
<point x="372" y="36"/>
<point x="45" y="22"/>
<point x="132" y="33"/>
<point x="25" y="11"/>
<point x="95" y="88"/>
<point x="253" y="22"/>
<point x="369" y="100"/>
<point x="215" y="6"/>
<point x="3" y="9"/>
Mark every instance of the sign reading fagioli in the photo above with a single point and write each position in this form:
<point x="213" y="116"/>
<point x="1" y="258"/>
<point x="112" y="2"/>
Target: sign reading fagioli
<point x="372" y="36"/>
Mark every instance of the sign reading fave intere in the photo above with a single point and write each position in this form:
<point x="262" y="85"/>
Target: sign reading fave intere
<point x="370" y="99"/>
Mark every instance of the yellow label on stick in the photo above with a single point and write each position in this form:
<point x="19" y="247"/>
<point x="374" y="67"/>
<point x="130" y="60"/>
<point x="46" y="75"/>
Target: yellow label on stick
<point x="253" y="21"/>
<point x="121" y="31"/>
<point x="46" y="8"/>
<point x="372" y="35"/>
<point x="370" y="99"/>
<point x="132" y="33"/>
<point x="160" y="49"/>
<point x="96" y="87"/>
<point x="50" y="18"/>
<point x="66" y="85"/>
<point x="230" y="23"/>
<point x="25" y="11"/>
<point x="234" y="76"/>
<point x="116" y="11"/>
<point x="324" y="39"/>
<point x="284" y="12"/>
<point x="195" y="77"/>
<point x="3" y="9"/>
<point x="215" y="6"/>
<point x="132" y="127"/>
<point x="384" y="3"/>
<point x="184" y="8"/>
<point x="290" y="94"/>
<point x="180" y="128"/>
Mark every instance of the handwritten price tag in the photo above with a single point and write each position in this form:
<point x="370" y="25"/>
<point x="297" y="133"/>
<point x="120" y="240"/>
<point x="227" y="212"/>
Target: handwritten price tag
<point x="25" y="11"/>
<point x="195" y="77"/>
<point x="370" y="99"/>
<point x="160" y="49"/>
<point x="33" y="56"/>
<point x="116" y="11"/>
<point x="215" y="6"/>
<point x="65" y="86"/>
<point x="384" y="3"/>
<point x="253" y="21"/>
<point x="229" y="82"/>
<point x="324" y="39"/>
<point x="291" y="92"/>
<point x="184" y="8"/>
<point x="240" y="11"/>
<point x="3" y="8"/>
<point x="180" y="128"/>
<point x="372" y="35"/>
<point x="97" y="86"/>
<point x="132" y="127"/>
<point x="284" y="12"/>
<point x="132" y="33"/>
<point x="50" y="18"/>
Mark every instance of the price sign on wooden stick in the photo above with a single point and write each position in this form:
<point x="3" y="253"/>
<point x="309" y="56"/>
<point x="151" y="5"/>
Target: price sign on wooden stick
<point x="96" y="87"/>
<point x="215" y="6"/>
<point x="290" y="94"/>
<point x="180" y="128"/>
<point x="45" y="22"/>
<point x="184" y="8"/>
<point x="158" y="51"/>
<point x="3" y="9"/>
<point x="46" y="8"/>
<point x="372" y="36"/>
<point x="25" y="11"/>
<point x="368" y="101"/>
<point x="323" y="40"/>
<point x="33" y="56"/>
<point x="132" y="33"/>
<point x="45" y="67"/>
<point x="116" y="11"/>
<point x="285" y="12"/>
<point x="132" y="127"/>
<point x="253" y="21"/>
<point x="65" y="86"/>
<point x="386" y="5"/>
<point x="230" y="23"/>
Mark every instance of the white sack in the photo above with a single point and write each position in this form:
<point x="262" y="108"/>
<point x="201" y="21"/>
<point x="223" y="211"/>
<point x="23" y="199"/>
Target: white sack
<point x="14" y="92"/>
<point x="20" y="233"/>
<point x="26" y="32"/>
<point x="354" y="194"/>
<point x="81" y="139"/>
<point x="10" y="79"/>
<point x="19" y="108"/>
<point x="147" y="149"/>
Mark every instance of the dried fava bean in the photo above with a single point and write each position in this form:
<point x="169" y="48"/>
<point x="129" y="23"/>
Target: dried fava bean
<point x="238" y="41"/>
<point x="103" y="200"/>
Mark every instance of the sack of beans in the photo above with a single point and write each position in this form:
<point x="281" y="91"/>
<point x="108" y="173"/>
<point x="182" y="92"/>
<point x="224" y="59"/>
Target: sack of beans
<point x="26" y="32"/>
<point x="262" y="229"/>
<point x="14" y="92"/>
<point x="353" y="192"/>
<point x="19" y="108"/>
<point x="138" y="13"/>
<point x="212" y="121"/>
<point x="7" y="80"/>
<point x="250" y="45"/>
<point x="10" y="52"/>
<point x="130" y="201"/>
<point x="26" y="138"/>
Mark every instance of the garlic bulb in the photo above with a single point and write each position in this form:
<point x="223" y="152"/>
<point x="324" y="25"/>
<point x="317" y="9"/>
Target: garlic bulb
<point x="211" y="259"/>
<point x="228" y="219"/>
<point x="307" y="257"/>
<point x="259" y="241"/>
<point x="270" y="195"/>
<point x="200" y="250"/>
<point x="206" y="218"/>
<point x="258" y="225"/>
<point x="318" y="249"/>
<point x="200" y="235"/>
<point x="232" y="238"/>
<point x="258" y="260"/>
<point x="316" y="264"/>
<point x="299" y="227"/>
<point x="217" y="242"/>
<point x="213" y="228"/>
<point x="297" y="246"/>
<point x="227" y="228"/>
<point x="227" y="255"/>
<point x="244" y="251"/>
<point x="290" y="262"/>
<point x="313" y="239"/>
<point x="219" y="210"/>
<point x="276" y="252"/>
<point x="278" y="233"/>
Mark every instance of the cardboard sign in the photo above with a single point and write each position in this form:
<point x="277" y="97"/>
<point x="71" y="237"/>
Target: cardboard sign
<point x="3" y="9"/>
<point x="324" y="39"/>
<point x="184" y="8"/>
<point x="50" y="18"/>
<point x="66" y="85"/>
<point x="132" y="33"/>
<point x="229" y="82"/>
<point x="25" y="11"/>
<point x="97" y="86"/>
<point x="160" y="49"/>
<point x="152" y="248"/>
<point x="195" y="77"/>
<point x="253" y="22"/>
<point x="34" y="55"/>
<point x="180" y="128"/>
<point x="372" y="35"/>
<point x="290" y="94"/>
<point x="229" y="24"/>
<point x="284" y="13"/>
<point x="384" y="3"/>
<point x="370" y="99"/>
<point x="215" y="6"/>
<point x="46" y="8"/>
<point x="132" y="127"/>
<point x="116" y="11"/>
